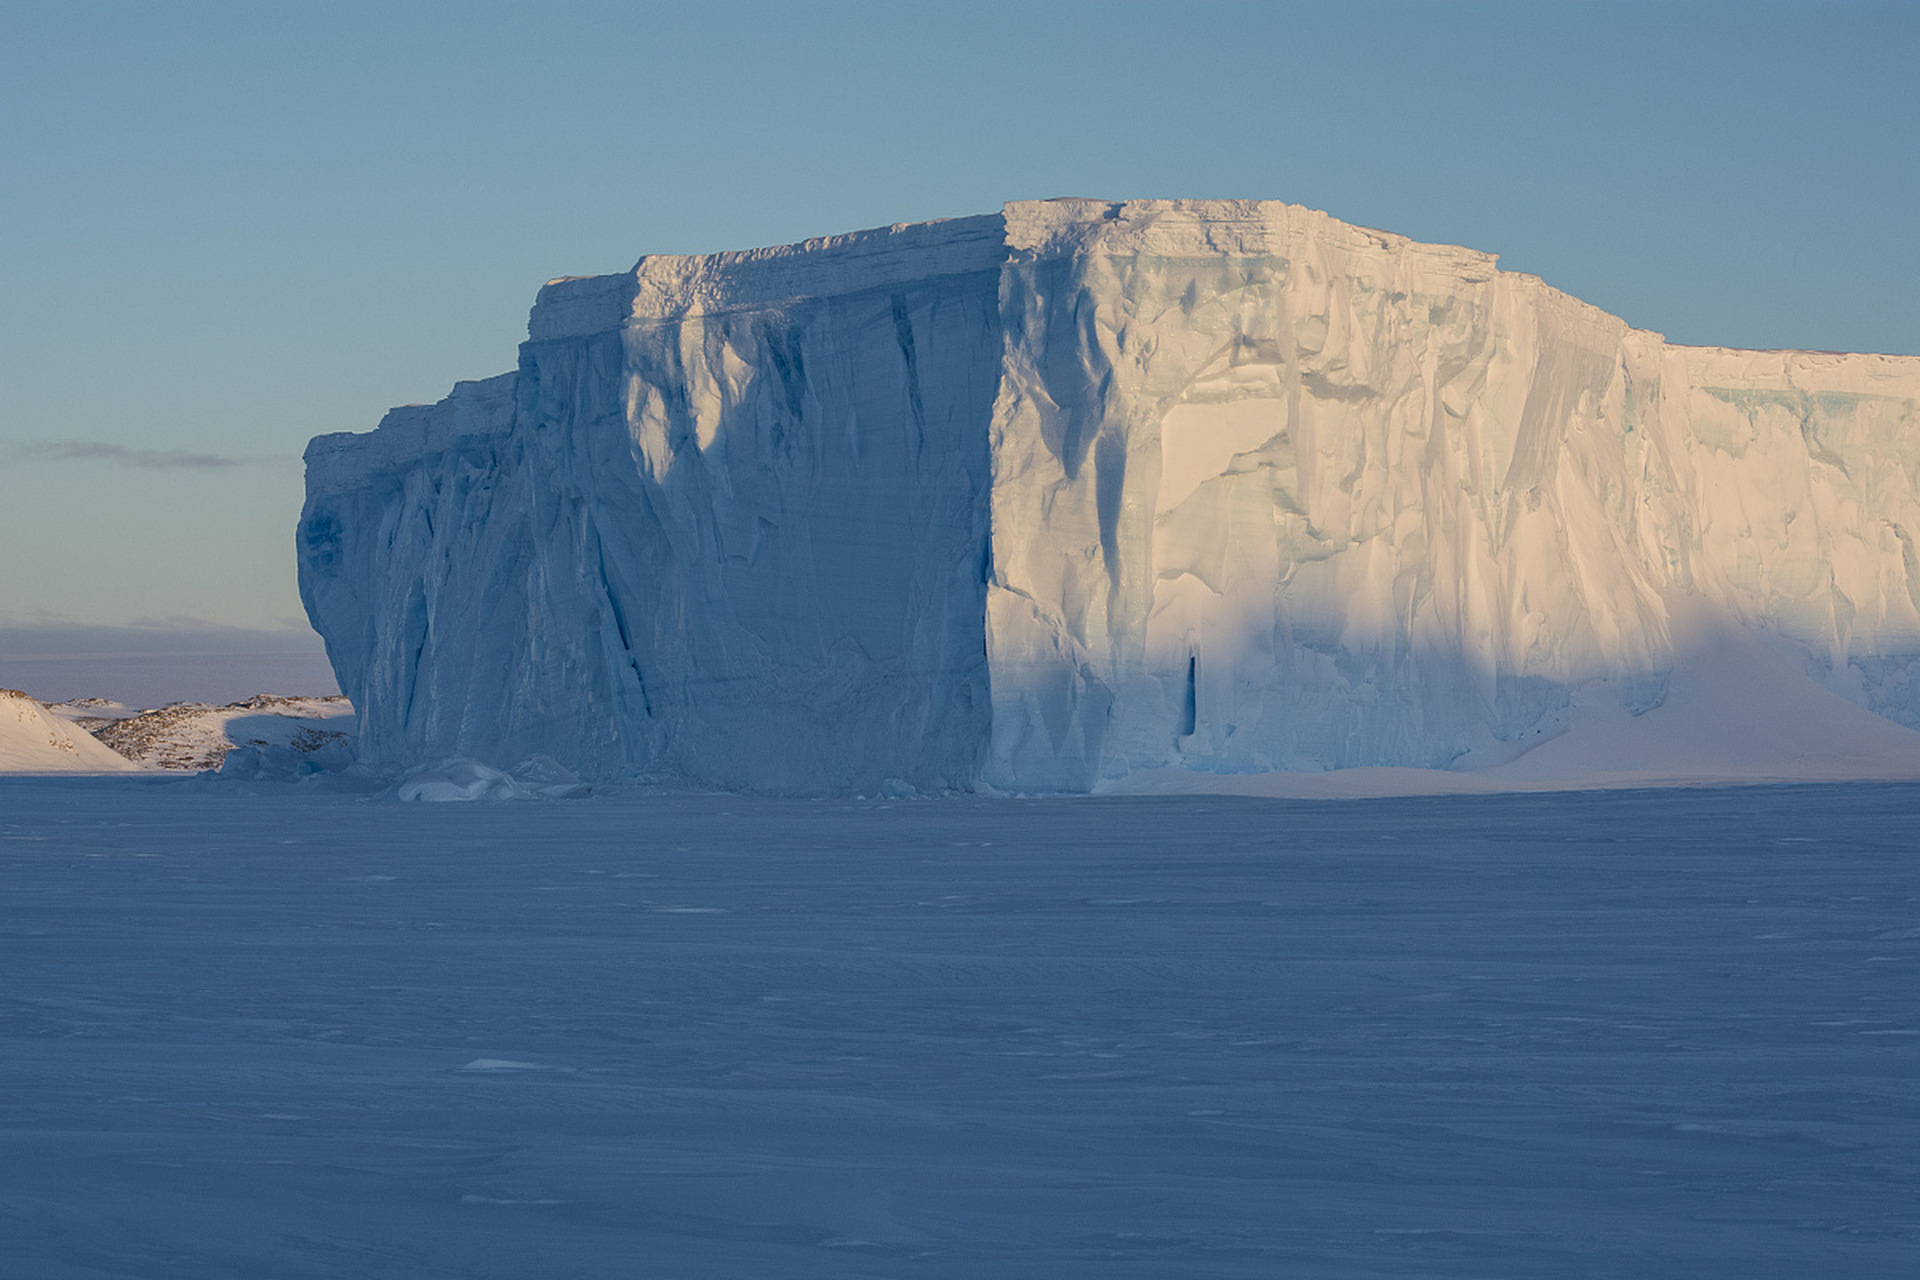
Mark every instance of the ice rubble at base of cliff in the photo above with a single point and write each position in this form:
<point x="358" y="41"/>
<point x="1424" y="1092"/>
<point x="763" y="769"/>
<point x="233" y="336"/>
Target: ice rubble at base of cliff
<point x="1046" y="499"/>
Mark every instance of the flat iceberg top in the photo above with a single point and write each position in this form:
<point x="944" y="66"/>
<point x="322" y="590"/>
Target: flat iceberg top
<point x="1209" y="229"/>
<point x="667" y="287"/>
<point x="343" y="459"/>
<point x="1849" y="373"/>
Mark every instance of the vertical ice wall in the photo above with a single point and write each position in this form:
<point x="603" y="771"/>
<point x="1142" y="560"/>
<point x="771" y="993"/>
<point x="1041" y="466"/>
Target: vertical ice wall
<point x="1274" y="492"/>
<point x="1088" y="487"/>
<point x="1802" y="475"/>
<point x="726" y="521"/>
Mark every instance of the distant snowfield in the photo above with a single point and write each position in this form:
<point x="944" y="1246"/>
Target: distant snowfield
<point x="154" y="680"/>
<point x="1648" y="1034"/>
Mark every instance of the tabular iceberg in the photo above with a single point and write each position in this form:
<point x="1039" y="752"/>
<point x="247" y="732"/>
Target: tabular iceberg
<point x="1047" y="497"/>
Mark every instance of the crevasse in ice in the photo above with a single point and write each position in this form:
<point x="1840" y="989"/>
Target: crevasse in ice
<point x="1082" y="488"/>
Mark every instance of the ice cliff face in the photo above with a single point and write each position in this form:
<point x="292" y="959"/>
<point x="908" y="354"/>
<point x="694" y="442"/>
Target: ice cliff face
<point x="1084" y="488"/>
<point x="727" y="520"/>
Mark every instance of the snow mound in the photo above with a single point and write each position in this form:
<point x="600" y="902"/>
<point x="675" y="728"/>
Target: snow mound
<point x="461" y="779"/>
<point x="1087" y="491"/>
<point x="34" y="740"/>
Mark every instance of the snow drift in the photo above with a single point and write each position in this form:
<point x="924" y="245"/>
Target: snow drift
<point x="1053" y="497"/>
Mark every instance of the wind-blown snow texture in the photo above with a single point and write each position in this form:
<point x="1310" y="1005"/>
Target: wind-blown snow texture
<point x="1658" y="1035"/>
<point x="1087" y="488"/>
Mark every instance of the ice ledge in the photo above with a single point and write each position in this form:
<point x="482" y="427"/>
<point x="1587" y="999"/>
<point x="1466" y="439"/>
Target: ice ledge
<point x="1813" y="372"/>
<point x="345" y="459"/>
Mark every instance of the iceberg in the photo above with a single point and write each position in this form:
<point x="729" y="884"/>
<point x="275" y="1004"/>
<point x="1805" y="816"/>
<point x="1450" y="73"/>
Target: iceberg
<point x="1045" y="499"/>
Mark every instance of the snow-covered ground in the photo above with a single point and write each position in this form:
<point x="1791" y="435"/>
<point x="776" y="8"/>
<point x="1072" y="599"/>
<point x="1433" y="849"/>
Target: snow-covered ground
<point x="1648" y="1034"/>
<point x="98" y="735"/>
<point x="196" y="735"/>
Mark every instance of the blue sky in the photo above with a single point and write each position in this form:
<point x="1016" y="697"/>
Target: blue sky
<point x="227" y="228"/>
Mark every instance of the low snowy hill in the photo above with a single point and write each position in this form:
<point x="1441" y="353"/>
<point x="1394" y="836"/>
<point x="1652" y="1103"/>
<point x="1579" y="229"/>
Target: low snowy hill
<point x="33" y="740"/>
<point x="91" y="714"/>
<point x="197" y="735"/>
